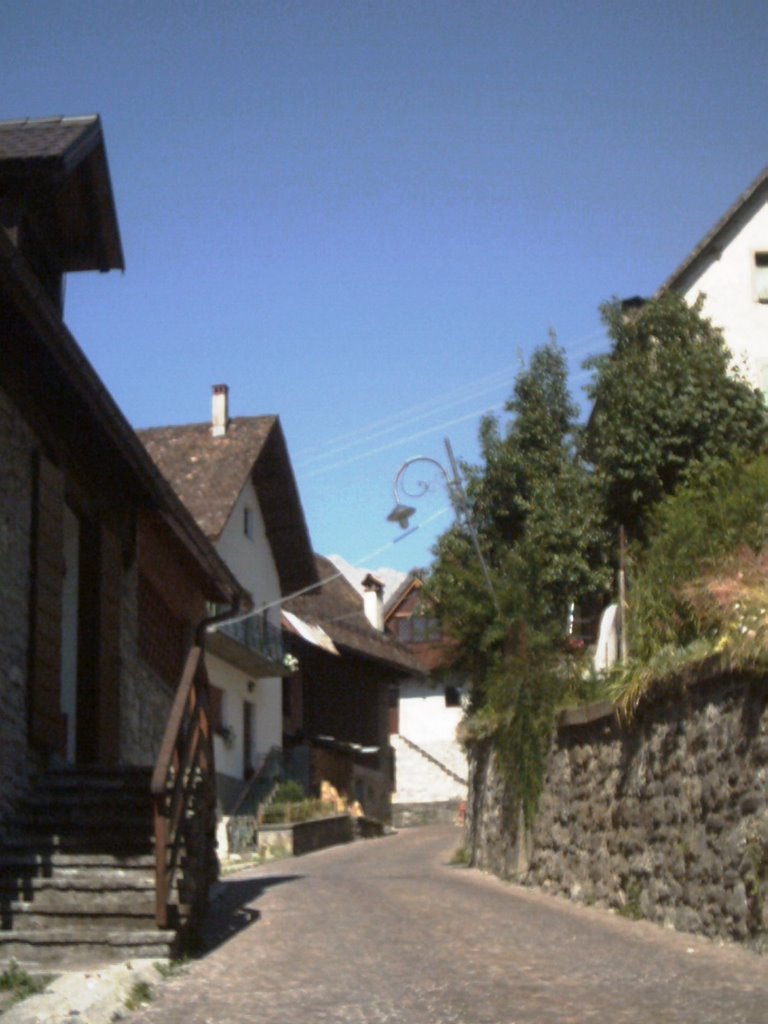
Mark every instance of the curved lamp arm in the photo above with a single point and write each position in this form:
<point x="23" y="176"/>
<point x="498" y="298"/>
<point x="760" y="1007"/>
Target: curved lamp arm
<point x="401" y="513"/>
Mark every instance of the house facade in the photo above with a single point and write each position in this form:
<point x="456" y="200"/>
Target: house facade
<point x="425" y="712"/>
<point x="88" y="526"/>
<point x="235" y="477"/>
<point x="337" y="723"/>
<point x="729" y="267"/>
<point x="105" y="578"/>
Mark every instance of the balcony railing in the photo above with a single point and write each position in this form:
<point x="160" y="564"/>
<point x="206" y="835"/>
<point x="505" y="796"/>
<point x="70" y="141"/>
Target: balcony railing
<point x="258" y="634"/>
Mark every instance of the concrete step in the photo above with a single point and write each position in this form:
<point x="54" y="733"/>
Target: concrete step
<point x="62" y="948"/>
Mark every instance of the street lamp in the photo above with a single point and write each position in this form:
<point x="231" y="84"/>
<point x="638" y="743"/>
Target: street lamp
<point x="402" y="513"/>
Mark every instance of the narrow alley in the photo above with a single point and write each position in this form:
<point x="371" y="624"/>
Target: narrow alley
<point x="388" y="930"/>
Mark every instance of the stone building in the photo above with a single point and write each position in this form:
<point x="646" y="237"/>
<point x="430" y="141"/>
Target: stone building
<point x="105" y="578"/>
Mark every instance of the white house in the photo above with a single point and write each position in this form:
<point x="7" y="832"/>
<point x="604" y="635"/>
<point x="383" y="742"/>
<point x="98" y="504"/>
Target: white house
<point x="235" y="476"/>
<point x="425" y="713"/>
<point x="730" y="268"/>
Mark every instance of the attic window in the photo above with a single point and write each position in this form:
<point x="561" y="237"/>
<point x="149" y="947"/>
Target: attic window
<point x="248" y="522"/>
<point x="761" y="277"/>
<point x="452" y="697"/>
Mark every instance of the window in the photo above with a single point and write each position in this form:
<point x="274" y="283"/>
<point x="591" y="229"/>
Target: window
<point x="761" y="277"/>
<point x="418" y="629"/>
<point x="248" y="522"/>
<point x="452" y="697"/>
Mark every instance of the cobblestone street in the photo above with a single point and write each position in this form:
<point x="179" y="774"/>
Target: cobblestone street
<point x="387" y="930"/>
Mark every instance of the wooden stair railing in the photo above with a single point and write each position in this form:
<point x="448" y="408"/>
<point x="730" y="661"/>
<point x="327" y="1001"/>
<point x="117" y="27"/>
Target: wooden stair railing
<point x="184" y="770"/>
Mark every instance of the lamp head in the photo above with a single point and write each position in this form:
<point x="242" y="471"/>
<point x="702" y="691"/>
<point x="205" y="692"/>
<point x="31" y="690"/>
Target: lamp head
<point x="400" y="514"/>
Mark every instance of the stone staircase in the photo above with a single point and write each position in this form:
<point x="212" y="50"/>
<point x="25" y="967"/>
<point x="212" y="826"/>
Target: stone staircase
<point x="77" y="883"/>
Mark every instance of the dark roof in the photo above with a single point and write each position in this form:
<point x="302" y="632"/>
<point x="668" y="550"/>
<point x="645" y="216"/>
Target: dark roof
<point x="709" y="245"/>
<point x="49" y="365"/>
<point x="61" y="163"/>
<point x="337" y="607"/>
<point x="208" y="473"/>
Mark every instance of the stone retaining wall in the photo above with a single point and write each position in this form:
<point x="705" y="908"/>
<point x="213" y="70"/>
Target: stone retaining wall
<point x="437" y="812"/>
<point x="666" y="819"/>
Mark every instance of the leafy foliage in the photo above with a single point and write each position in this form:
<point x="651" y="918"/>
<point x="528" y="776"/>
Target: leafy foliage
<point x="665" y="398"/>
<point x="700" y="587"/>
<point x="538" y="518"/>
<point x="722" y="508"/>
<point x="539" y="523"/>
<point x="20" y="984"/>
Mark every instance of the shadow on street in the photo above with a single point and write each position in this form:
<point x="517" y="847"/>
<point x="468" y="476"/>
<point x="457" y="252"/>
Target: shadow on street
<point x="232" y="911"/>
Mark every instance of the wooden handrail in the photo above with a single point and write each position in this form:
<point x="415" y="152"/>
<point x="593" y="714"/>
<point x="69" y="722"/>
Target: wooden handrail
<point x="185" y="759"/>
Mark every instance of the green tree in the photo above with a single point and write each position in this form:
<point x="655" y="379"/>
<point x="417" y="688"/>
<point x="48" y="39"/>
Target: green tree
<point x="538" y="518"/>
<point x="666" y="398"/>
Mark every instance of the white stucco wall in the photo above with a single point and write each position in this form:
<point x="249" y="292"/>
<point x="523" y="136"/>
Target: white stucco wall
<point x="265" y="700"/>
<point x="251" y="560"/>
<point x="728" y="284"/>
<point x="423" y="716"/>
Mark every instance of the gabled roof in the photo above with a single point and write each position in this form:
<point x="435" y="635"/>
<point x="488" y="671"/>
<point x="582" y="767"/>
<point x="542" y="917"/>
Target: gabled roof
<point x="710" y="244"/>
<point x="409" y="584"/>
<point x="61" y="164"/>
<point x="337" y="607"/>
<point x="208" y="473"/>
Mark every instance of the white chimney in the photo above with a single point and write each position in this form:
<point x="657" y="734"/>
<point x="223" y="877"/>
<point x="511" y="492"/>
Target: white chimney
<point x="373" y="601"/>
<point x="219" y="410"/>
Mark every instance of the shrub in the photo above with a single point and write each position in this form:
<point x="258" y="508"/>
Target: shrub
<point x="289" y="792"/>
<point x="720" y="509"/>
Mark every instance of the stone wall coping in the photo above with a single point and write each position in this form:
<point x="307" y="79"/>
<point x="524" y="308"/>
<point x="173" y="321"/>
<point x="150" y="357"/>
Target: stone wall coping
<point x="587" y="714"/>
<point x="714" y="667"/>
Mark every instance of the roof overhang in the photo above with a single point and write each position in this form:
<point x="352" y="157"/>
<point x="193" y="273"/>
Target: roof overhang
<point x="60" y="165"/>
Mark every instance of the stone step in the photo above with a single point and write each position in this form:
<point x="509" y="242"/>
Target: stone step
<point x="30" y="859"/>
<point x="88" y="882"/>
<point x="27" y="917"/>
<point x="107" y="803"/>
<point x="103" y="778"/>
<point x="62" y="947"/>
<point x="59" y="829"/>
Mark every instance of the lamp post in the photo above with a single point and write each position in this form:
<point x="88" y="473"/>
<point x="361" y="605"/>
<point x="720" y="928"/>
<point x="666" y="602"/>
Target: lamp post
<point x="402" y="513"/>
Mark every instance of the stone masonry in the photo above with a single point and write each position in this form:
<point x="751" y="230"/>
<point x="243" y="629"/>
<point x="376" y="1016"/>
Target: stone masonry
<point x="145" y="700"/>
<point x="665" y="819"/>
<point x="16" y="451"/>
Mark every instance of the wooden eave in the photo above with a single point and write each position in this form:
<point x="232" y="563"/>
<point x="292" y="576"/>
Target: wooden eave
<point x="73" y="189"/>
<point x="45" y="366"/>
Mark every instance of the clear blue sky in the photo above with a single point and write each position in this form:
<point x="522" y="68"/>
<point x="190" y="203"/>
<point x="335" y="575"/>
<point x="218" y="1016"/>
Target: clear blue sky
<point x="362" y="216"/>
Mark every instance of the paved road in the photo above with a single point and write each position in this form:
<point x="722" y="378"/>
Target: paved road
<point x="387" y="931"/>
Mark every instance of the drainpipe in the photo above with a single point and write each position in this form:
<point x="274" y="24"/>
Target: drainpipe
<point x="233" y="613"/>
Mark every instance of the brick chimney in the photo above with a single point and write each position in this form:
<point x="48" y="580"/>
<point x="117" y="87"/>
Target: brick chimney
<point x="373" y="601"/>
<point x="219" y="410"/>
